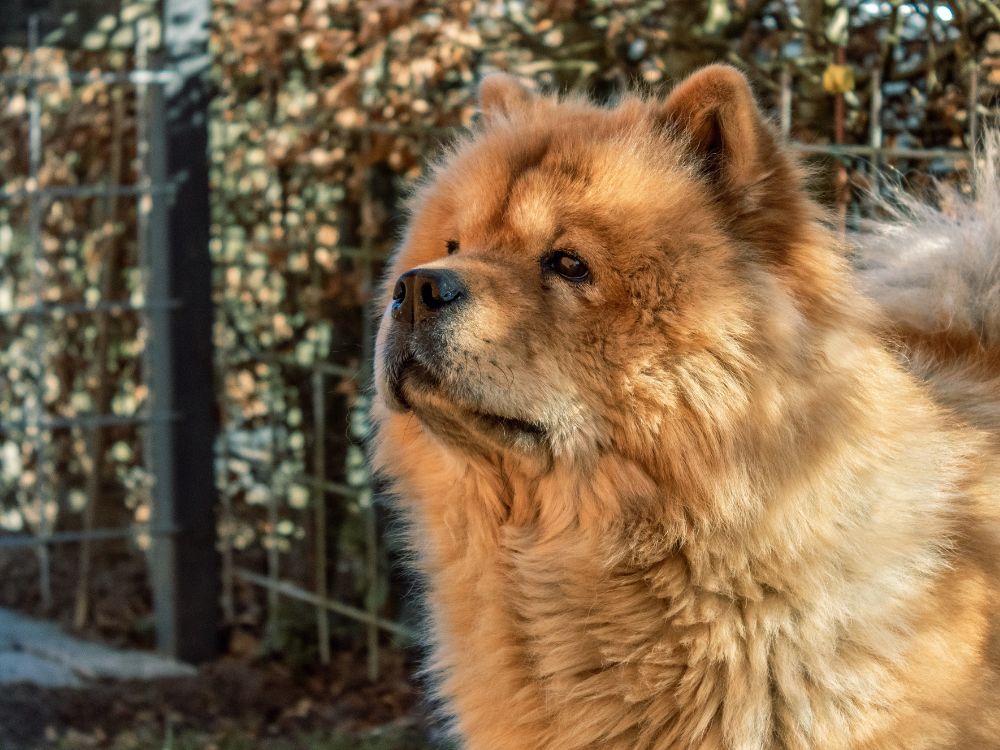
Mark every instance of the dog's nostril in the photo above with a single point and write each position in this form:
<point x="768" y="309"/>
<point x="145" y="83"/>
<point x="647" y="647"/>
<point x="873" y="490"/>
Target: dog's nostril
<point x="422" y="293"/>
<point x="437" y="293"/>
<point x="429" y="295"/>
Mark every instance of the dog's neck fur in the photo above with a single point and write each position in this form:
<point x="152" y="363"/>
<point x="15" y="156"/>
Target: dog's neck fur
<point x="610" y="593"/>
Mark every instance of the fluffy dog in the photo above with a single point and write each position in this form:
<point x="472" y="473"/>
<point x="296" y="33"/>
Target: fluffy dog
<point x="673" y="480"/>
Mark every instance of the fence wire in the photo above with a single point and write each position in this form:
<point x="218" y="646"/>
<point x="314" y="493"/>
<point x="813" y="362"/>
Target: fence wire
<point x="47" y="425"/>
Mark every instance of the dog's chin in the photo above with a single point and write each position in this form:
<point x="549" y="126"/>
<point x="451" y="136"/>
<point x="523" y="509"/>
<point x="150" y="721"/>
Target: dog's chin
<point x="417" y="389"/>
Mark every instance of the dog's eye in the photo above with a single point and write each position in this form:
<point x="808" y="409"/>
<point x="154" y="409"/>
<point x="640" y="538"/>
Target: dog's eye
<point x="566" y="265"/>
<point x="451" y="246"/>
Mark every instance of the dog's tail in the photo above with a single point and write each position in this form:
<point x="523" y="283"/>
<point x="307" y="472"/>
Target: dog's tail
<point x="937" y="269"/>
<point x="936" y="273"/>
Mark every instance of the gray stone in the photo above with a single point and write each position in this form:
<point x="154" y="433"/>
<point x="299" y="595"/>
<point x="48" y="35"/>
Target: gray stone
<point x="27" y="668"/>
<point x="44" y="641"/>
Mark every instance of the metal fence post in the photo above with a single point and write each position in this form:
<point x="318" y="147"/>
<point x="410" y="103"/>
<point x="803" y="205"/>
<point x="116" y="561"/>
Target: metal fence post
<point x="43" y="487"/>
<point x="785" y="103"/>
<point x="368" y="229"/>
<point x="185" y="570"/>
<point x="974" y="109"/>
<point x="319" y="511"/>
<point x="875" y="131"/>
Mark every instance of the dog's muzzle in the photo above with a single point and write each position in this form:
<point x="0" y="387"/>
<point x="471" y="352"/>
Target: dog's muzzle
<point x="424" y="300"/>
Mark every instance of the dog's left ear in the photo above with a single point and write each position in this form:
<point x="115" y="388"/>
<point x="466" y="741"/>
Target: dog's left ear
<point x="502" y="95"/>
<point x="715" y="108"/>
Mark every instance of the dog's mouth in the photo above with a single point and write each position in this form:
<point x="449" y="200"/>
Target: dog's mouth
<point x="509" y="424"/>
<point x="411" y="375"/>
<point x="413" y="379"/>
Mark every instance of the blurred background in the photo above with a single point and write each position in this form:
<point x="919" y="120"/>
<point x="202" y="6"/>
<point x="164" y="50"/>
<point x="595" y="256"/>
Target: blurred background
<point x="197" y="199"/>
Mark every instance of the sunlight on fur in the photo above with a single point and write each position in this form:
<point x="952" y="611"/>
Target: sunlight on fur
<point x="673" y="477"/>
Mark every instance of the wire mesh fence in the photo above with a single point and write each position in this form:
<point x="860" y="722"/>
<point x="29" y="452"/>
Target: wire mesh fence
<point x="292" y="446"/>
<point x="79" y="293"/>
<point x="88" y="314"/>
<point x="318" y="481"/>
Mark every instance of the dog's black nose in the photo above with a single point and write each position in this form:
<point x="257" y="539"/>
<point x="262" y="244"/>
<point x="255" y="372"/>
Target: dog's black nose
<point x="423" y="293"/>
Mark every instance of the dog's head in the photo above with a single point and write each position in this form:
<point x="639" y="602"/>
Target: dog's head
<point x="577" y="279"/>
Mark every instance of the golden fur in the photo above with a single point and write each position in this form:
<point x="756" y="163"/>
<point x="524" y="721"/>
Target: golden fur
<point x="699" y="500"/>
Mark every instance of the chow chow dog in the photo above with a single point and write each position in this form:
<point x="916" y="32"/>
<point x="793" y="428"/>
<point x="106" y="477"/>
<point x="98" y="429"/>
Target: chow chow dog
<point x="677" y="475"/>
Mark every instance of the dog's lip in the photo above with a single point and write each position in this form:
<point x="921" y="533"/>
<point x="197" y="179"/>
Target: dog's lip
<point x="412" y="372"/>
<point x="510" y="424"/>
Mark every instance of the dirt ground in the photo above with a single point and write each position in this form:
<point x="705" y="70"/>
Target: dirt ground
<point x="229" y="705"/>
<point x="254" y="698"/>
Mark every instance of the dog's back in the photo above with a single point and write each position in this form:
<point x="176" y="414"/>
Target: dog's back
<point x="935" y="271"/>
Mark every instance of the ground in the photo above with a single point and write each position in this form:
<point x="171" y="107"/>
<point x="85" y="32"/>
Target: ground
<point x="227" y="705"/>
<point x="252" y="698"/>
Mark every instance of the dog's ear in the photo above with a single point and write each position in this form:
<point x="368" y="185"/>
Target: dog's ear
<point x="501" y="95"/>
<point x="715" y="108"/>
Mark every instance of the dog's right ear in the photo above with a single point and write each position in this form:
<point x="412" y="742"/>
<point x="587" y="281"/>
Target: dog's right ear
<point x="501" y="96"/>
<point x="715" y="115"/>
<point x="715" y="108"/>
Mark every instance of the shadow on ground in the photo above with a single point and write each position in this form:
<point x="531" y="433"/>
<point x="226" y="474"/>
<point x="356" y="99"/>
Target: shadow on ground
<point x="227" y="705"/>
